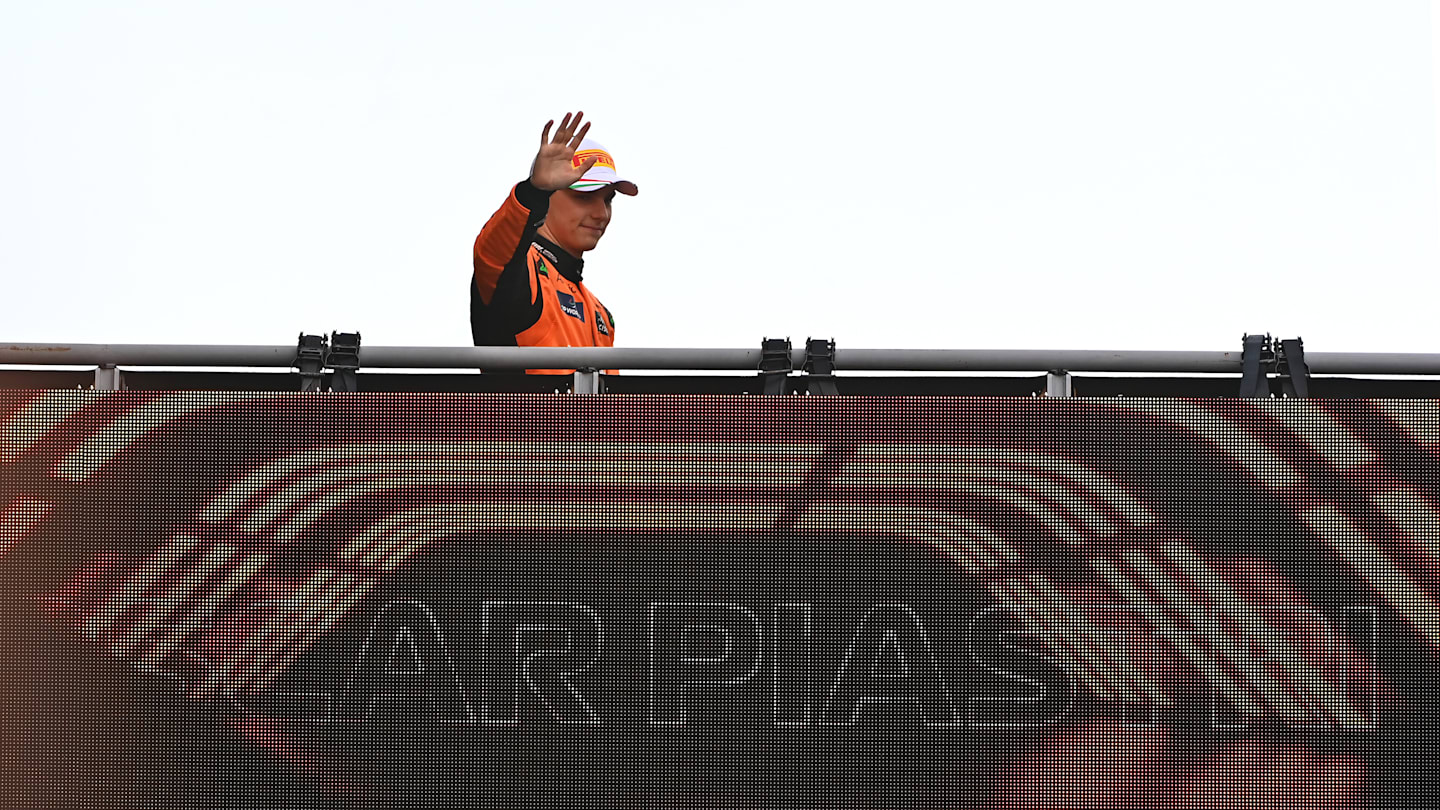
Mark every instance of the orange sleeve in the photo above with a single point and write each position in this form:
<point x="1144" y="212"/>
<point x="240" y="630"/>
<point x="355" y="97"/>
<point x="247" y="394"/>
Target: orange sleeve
<point x="497" y="243"/>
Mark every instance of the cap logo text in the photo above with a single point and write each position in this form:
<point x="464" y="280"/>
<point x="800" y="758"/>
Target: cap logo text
<point x="602" y="158"/>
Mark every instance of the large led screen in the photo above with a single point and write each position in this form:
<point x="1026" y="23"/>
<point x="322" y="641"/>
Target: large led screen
<point x="221" y="599"/>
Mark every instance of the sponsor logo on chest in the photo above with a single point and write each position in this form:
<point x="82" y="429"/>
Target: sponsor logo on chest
<point x="571" y="307"/>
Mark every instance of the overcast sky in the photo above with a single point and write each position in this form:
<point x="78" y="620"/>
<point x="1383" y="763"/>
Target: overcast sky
<point x="1042" y="174"/>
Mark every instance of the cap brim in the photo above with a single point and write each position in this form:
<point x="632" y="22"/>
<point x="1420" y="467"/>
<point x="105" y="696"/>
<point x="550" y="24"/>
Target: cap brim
<point x="623" y="186"/>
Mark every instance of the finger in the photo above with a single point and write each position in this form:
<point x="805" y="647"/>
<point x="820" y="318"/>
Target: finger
<point x="570" y="130"/>
<point x="579" y="136"/>
<point x="567" y="126"/>
<point x="545" y="133"/>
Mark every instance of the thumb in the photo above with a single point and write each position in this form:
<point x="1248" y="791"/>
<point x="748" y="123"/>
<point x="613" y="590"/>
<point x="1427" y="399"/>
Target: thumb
<point x="587" y="163"/>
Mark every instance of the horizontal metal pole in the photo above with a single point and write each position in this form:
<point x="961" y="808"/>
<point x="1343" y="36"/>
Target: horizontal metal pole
<point x="1035" y="360"/>
<point x="106" y="354"/>
<point x="748" y="360"/>
<point x="522" y="357"/>
<point x="1372" y="363"/>
<point x="441" y="357"/>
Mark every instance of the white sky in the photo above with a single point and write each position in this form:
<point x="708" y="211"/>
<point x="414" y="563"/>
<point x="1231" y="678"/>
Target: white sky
<point x="1043" y="174"/>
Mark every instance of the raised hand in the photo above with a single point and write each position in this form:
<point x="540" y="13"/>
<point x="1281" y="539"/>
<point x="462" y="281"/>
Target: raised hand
<point x="553" y="168"/>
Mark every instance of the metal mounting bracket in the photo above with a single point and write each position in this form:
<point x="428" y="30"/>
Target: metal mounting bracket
<point x="820" y="367"/>
<point x="1293" y="372"/>
<point x="775" y="365"/>
<point x="1256" y="359"/>
<point x="310" y="361"/>
<point x="588" y="381"/>
<point x="343" y="359"/>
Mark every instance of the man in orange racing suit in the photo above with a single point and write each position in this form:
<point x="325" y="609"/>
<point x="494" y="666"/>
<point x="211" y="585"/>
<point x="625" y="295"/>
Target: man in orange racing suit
<point x="529" y="257"/>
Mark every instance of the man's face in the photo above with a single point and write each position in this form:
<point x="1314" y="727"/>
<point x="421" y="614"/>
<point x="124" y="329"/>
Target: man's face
<point x="577" y="219"/>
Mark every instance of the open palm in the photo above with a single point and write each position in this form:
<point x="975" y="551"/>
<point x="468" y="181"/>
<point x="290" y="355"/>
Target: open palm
<point x="554" y="166"/>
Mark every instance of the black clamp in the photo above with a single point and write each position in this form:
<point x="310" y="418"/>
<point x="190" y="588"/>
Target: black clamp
<point x="1293" y="371"/>
<point x="775" y="365"/>
<point x="820" y="366"/>
<point x="1285" y="359"/>
<point x="344" y="359"/>
<point x="310" y="361"/>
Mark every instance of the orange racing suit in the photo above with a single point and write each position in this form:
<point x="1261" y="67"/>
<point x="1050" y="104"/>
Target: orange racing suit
<point x="527" y="291"/>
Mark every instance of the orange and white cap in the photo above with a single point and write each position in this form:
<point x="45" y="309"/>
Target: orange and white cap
<point x="602" y="174"/>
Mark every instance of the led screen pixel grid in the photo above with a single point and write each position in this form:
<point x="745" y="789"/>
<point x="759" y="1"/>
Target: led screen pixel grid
<point x="516" y="600"/>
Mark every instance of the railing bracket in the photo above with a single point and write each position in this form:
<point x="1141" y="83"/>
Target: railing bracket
<point x="775" y="365"/>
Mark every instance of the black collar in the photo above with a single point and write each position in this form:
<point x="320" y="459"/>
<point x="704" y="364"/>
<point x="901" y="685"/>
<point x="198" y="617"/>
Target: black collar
<point x="569" y="266"/>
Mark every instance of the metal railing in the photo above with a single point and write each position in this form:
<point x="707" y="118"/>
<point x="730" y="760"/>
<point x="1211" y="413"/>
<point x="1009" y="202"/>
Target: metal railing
<point x="851" y="360"/>
<point x="781" y="368"/>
